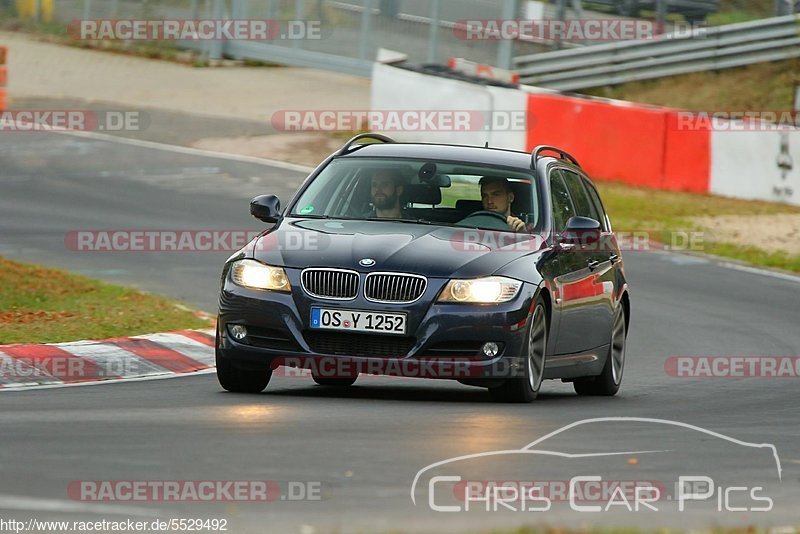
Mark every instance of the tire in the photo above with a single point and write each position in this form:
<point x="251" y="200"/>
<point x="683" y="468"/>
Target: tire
<point x="609" y="381"/>
<point x="238" y="380"/>
<point x="525" y="388"/>
<point x="335" y="382"/>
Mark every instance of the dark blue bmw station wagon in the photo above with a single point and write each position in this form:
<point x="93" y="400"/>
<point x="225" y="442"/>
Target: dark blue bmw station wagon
<point x="493" y="267"/>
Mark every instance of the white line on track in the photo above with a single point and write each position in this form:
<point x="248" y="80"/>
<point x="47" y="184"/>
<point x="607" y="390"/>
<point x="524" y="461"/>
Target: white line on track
<point x="34" y="504"/>
<point x="182" y="149"/>
<point x="165" y="376"/>
<point x="762" y="272"/>
<point x="687" y="259"/>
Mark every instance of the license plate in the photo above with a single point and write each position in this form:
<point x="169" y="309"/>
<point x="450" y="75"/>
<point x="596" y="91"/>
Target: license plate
<point x="358" y="321"/>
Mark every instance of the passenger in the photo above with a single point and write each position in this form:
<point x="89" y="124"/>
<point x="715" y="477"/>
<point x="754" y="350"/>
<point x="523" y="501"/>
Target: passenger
<point x="386" y="190"/>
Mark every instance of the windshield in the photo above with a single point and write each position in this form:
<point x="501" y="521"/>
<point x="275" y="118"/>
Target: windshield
<point x="432" y="192"/>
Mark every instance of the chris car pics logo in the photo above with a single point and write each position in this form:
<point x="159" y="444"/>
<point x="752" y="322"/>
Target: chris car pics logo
<point x="680" y="468"/>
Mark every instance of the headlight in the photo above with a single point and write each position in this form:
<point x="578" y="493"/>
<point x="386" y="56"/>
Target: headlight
<point x="489" y="290"/>
<point x="256" y="275"/>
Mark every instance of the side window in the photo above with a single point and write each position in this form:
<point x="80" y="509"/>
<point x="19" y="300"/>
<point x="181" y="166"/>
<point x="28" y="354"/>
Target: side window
<point x="562" y="206"/>
<point x="596" y="201"/>
<point x="580" y="198"/>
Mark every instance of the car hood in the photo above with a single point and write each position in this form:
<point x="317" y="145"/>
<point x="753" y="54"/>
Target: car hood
<point x="435" y="251"/>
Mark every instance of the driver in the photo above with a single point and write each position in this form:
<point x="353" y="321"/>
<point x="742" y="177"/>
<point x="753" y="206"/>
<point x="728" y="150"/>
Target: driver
<point x="386" y="189"/>
<point x="497" y="196"/>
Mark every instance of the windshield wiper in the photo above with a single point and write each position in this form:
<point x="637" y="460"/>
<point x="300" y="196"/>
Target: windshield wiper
<point x="310" y="216"/>
<point x="407" y="221"/>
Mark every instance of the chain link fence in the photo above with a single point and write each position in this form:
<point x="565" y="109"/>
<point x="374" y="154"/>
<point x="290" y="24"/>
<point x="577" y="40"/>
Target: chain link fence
<point x="351" y="31"/>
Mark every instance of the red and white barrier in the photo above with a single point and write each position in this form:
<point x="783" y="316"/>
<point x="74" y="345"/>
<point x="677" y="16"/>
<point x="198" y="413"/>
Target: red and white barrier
<point x="756" y="165"/>
<point x="636" y="144"/>
<point x="399" y="89"/>
<point x="138" y="357"/>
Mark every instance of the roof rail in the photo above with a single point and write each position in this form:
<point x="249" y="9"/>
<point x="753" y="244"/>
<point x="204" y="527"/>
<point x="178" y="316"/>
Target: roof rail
<point x="377" y="137"/>
<point x="563" y="154"/>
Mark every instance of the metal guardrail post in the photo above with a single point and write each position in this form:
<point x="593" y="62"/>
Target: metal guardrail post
<point x="299" y="14"/>
<point x="87" y="9"/>
<point x="366" y="29"/>
<point x="783" y="7"/>
<point x="215" y="51"/>
<point x="505" y="48"/>
<point x="433" y="35"/>
<point x="562" y="15"/>
<point x="661" y="15"/>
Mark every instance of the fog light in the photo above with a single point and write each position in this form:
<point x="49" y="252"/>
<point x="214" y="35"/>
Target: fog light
<point x="490" y="349"/>
<point x="238" y="331"/>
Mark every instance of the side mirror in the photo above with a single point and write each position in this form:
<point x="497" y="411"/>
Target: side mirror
<point x="582" y="231"/>
<point x="266" y="208"/>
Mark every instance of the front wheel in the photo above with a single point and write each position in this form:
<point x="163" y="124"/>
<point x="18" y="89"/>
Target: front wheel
<point x="525" y="388"/>
<point x="609" y="381"/>
<point x="236" y="380"/>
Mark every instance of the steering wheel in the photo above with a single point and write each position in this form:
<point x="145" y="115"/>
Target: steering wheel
<point x="485" y="219"/>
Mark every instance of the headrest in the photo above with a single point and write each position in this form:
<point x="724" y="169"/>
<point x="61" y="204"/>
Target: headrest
<point x="522" y="201"/>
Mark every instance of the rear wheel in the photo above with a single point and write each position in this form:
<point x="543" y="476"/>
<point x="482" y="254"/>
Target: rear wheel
<point x="525" y="388"/>
<point x="610" y="379"/>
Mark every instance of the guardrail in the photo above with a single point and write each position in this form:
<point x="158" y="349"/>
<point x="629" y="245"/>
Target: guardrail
<point x="704" y="49"/>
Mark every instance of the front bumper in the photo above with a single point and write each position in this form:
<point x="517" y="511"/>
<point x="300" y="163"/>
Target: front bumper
<point x="442" y="341"/>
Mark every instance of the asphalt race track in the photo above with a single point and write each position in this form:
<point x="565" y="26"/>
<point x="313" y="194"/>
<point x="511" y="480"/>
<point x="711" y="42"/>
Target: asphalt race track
<point x="362" y="447"/>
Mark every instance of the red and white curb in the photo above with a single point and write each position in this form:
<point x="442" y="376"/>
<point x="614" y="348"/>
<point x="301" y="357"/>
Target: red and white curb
<point x="147" y="357"/>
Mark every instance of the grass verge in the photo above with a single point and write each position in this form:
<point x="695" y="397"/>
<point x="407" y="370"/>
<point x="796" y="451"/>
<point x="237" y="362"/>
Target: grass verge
<point x="659" y="213"/>
<point x="44" y="305"/>
<point x="762" y="86"/>
<point x="57" y="33"/>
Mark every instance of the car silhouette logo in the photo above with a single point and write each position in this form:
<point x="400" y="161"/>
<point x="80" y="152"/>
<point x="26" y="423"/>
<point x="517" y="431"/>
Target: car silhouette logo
<point x="542" y="447"/>
<point x="366" y="262"/>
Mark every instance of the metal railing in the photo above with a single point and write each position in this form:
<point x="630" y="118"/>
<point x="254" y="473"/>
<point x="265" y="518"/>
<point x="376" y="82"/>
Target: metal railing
<point x="352" y="30"/>
<point x="705" y="49"/>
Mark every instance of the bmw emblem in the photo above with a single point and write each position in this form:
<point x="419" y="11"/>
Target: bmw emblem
<point x="366" y="262"/>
